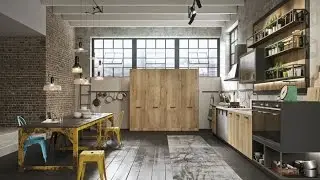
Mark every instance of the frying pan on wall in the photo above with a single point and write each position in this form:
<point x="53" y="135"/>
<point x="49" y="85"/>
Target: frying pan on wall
<point x="96" y="102"/>
<point x="108" y="99"/>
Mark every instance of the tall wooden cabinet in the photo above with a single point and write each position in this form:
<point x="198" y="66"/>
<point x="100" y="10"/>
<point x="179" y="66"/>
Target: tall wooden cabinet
<point x="164" y="100"/>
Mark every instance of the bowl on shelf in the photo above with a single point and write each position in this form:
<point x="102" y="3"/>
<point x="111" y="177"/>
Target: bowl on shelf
<point x="86" y="114"/>
<point x="77" y="114"/>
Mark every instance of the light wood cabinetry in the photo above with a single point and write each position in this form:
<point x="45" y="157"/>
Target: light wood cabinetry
<point x="240" y="132"/>
<point x="164" y="100"/>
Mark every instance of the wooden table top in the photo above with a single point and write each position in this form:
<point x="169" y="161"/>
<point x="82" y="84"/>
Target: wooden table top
<point x="68" y="122"/>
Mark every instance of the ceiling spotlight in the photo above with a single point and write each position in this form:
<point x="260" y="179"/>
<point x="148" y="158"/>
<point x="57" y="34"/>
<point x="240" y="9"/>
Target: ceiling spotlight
<point x="198" y="3"/>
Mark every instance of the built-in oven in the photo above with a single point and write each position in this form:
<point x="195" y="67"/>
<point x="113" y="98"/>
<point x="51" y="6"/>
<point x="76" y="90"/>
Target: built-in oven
<point x="266" y="122"/>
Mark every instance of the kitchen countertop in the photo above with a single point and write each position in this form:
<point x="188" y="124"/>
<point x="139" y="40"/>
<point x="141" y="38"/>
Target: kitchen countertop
<point x="246" y="111"/>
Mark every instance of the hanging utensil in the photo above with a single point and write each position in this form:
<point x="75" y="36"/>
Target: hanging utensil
<point x="114" y="96"/>
<point x="96" y="102"/>
<point x="120" y="96"/>
<point x="108" y="99"/>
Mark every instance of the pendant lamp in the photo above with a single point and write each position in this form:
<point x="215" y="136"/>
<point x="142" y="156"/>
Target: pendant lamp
<point x="50" y="86"/>
<point x="76" y="67"/>
<point x="81" y="80"/>
<point x="99" y="77"/>
<point x="80" y="47"/>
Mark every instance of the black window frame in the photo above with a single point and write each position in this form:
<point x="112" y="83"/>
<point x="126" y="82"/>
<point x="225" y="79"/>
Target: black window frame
<point x="134" y="53"/>
<point x="233" y="43"/>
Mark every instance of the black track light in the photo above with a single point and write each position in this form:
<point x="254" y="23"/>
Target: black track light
<point x="192" y="14"/>
<point x="198" y="3"/>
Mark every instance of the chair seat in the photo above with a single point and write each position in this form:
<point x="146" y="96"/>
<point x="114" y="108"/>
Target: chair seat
<point x="112" y="128"/>
<point x="91" y="156"/>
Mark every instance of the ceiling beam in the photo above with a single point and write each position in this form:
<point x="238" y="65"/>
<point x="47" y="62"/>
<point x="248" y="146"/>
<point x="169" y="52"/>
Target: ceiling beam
<point x="142" y="2"/>
<point x="212" y="17"/>
<point x="146" y="10"/>
<point x="150" y="23"/>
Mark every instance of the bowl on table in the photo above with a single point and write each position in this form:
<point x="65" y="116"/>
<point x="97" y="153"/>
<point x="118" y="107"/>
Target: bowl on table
<point x="77" y="114"/>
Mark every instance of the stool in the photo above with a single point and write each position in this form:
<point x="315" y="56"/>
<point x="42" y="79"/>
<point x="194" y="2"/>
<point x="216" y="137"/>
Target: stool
<point x="91" y="156"/>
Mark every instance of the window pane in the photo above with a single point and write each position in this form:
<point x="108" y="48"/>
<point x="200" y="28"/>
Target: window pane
<point x="108" y="61"/>
<point x="183" y="62"/>
<point x="108" y="71"/>
<point x="151" y="53"/>
<point x="161" y="43"/>
<point x="203" y="71"/>
<point x="98" y="43"/>
<point x="213" y="43"/>
<point x="193" y="43"/>
<point x="203" y="53"/>
<point x="170" y="43"/>
<point x="160" y="53"/>
<point x="232" y="48"/>
<point x="127" y="43"/>
<point x="118" y="72"/>
<point x="118" y="44"/>
<point x="118" y="53"/>
<point x="183" y="43"/>
<point x="213" y="53"/>
<point x="98" y="53"/>
<point x="108" y="53"/>
<point x="170" y="53"/>
<point x="141" y="53"/>
<point x="232" y="59"/>
<point x="203" y="43"/>
<point x="213" y="72"/>
<point x="141" y="62"/>
<point x="141" y="43"/>
<point x="151" y="43"/>
<point x="127" y="53"/>
<point x="193" y="61"/>
<point x="183" y="53"/>
<point x="127" y="63"/>
<point x="213" y="62"/>
<point x="108" y="43"/>
<point x="170" y="63"/>
<point x="126" y="71"/>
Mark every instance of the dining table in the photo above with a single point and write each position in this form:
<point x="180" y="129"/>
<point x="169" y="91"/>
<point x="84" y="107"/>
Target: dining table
<point x="70" y="127"/>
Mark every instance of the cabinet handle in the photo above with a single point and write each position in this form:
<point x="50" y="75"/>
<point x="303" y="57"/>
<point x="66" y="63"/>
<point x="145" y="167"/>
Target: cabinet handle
<point x="138" y="107"/>
<point x="189" y="107"/>
<point x="172" y="107"/>
<point x="247" y="117"/>
<point x="155" y="106"/>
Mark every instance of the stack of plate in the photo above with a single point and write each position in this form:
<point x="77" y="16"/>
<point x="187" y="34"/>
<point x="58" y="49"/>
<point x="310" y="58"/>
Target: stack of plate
<point x="86" y="113"/>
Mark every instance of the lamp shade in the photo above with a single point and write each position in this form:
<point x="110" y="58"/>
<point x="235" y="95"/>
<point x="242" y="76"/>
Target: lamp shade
<point x="81" y="81"/>
<point x="99" y="77"/>
<point x="76" y="67"/>
<point x="80" y="48"/>
<point x="50" y="86"/>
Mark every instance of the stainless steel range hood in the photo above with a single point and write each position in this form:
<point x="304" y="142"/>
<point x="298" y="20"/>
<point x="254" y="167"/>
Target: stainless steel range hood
<point x="233" y="74"/>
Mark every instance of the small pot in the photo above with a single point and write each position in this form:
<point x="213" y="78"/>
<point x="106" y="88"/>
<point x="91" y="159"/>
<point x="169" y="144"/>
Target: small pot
<point x="311" y="173"/>
<point x="312" y="164"/>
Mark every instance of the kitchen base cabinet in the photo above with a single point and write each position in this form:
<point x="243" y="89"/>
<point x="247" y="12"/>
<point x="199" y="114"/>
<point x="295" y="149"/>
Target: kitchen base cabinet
<point x="240" y="132"/>
<point x="214" y="120"/>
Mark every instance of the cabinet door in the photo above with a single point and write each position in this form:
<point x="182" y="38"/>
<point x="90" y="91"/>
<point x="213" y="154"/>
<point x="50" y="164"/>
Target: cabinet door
<point x="153" y="120"/>
<point x="230" y="130"/>
<point x="237" y="131"/>
<point x="189" y="100"/>
<point x="248" y="136"/>
<point x="137" y="99"/>
<point x="173" y="98"/>
<point x="214" y="121"/>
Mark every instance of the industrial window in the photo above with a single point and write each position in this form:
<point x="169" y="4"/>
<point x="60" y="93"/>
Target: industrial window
<point x="113" y="57"/>
<point x="155" y="53"/>
<point x="199" y="54"/>
<point x="233" y="44"/>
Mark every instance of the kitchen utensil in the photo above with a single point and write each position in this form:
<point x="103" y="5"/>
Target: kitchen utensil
<point x="104" y="94"/>
<point x="310" y="173"/>
<point x="99" y="94"/>
<point x="257" y="155"/>
<point x="77" y="114"/>
<point x="312" y="164"/>
<point x="120" y="96"/>
<point x="108" y="99"/>
<point x="261" y="161"/>
<point x="96" y="102"/>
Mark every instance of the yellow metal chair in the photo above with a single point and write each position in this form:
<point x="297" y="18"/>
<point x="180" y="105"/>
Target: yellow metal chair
<point x="91" y="156"/>
<point x="115" y="130"/>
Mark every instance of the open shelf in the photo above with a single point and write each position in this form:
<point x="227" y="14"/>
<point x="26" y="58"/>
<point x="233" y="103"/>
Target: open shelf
<point x="285" y="78"/>
<point x="283" y="52"/>
<point x="267" y="142"/>
<point x="287" y="26"/>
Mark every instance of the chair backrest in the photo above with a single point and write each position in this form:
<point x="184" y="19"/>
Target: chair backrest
<point x="120" y="118"/>
<point x="21" y="121"/>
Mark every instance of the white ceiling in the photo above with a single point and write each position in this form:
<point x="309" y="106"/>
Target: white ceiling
<point x="148" y="13"/>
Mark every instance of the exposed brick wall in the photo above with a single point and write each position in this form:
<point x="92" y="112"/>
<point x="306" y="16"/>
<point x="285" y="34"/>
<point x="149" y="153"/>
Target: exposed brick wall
<point x="25" y="66"/>
<point x="60" y="59"/>
<point x="22" y="75"/>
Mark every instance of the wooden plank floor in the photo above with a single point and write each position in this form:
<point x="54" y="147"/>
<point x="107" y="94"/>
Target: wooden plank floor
<point x="145" y="156"/>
